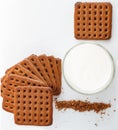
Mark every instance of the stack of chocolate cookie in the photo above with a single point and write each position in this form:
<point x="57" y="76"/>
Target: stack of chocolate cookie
<point x="27" y="89"/>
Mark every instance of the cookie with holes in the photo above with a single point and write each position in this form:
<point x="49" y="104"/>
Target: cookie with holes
<point x="19" y="70"/>
<point x="55" y="72"/>
<point x="46" y="64"/>
<point x="58" y="63"/>
<point x="14" y="81"/>
<point x="33" y="105"/>
<point x="35" y="61"/>
<point x="29" y="66"/>
<point x="93" y="20"/>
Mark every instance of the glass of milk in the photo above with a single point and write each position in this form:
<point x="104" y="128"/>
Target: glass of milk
<point x="88" y="68"/>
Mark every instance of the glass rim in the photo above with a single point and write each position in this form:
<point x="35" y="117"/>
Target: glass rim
<point x="112" y="60"/>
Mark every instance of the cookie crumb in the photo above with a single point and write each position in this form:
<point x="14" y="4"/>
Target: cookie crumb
<point x="102" y="113"/>
<point x="82" y="106"/>
<point x="108" y="114"/>
<point x="55" y="98"/>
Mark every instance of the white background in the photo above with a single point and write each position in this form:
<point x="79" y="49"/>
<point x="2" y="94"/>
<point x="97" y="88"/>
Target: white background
<point x="46" y="26"/>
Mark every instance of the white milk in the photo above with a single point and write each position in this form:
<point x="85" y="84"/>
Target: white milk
<point x="88" y="68"/>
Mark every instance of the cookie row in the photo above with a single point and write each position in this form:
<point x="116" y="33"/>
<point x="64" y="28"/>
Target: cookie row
<point x="37" y="73"/>
<point x="45" y="68"/>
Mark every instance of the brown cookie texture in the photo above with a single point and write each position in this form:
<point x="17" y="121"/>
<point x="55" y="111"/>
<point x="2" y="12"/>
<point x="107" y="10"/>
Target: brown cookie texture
<point x="55" y="73"/>
<point x="36" y="67"/>
<point x="35" y="61"/>
<point x="59" y="68"/>
<point x="93" y="20"/>
<point x="14" y="81"/>
<point x="19" y="70"/>
<point x="2" y="78"/>
<point x="28" y="88"/>
<point x="8" y="69"/>
<point x="29" y="66"/>
<point x="33" y="105"/>
<point x="46" y="64"/>
<point x="8" y="104"/>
